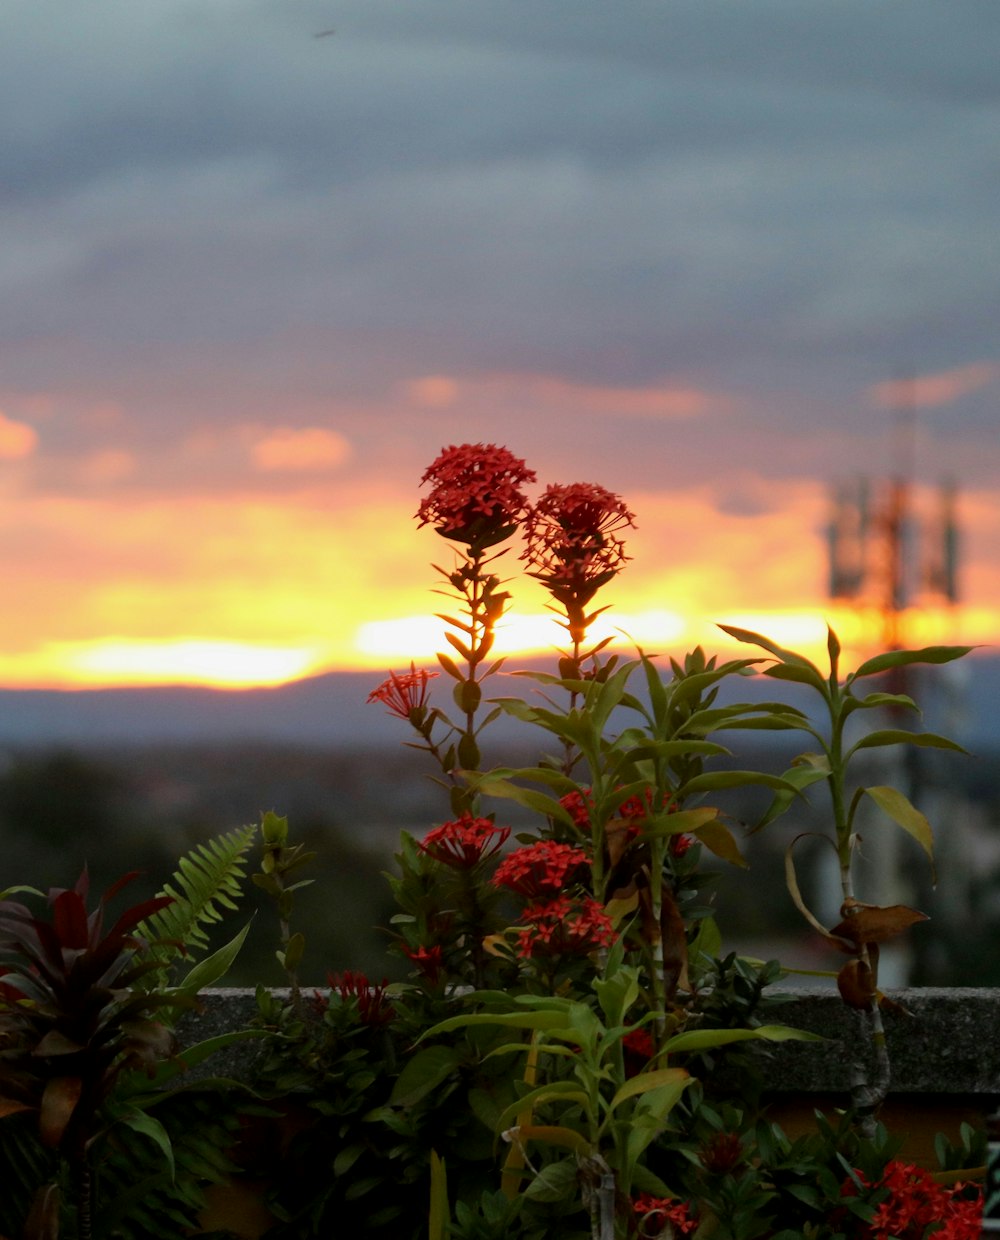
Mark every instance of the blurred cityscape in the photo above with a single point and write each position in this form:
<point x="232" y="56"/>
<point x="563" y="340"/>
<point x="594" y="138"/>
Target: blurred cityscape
<point x="130" y="779"/>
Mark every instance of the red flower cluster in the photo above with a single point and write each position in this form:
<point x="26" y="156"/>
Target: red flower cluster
<point x="475" y="495"/>
<point x="465" y="842"/>
<point x="654" y="1213"/>
<point x="916" y="1203"/>
<point x="564" y="927"/>
<point x="540" y="870"/>
<point x="572" y="537"/>
<point x="374" y="1007"/>
<point x="405" y="693"/>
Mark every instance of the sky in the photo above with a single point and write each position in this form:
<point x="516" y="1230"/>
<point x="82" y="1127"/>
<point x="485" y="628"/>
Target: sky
<point x="261" y="259"/>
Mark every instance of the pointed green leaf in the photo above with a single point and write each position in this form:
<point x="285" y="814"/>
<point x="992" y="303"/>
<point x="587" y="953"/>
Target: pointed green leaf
<point x="437" y="1222"/>
<point x="799" y="778"/>
<point x="903" y="658"/>
<point x="756" y="639"/>
<point x="708" y="1039"/>
<point x="679" y="821"/>
<point x="144" y="1124"/>
<point x="423" y="1072"/>
<point x="646" y="1081"/>
<point x="892" y="802"/>
<point x="555" y="1091"/>
<point x="712" y="781"/>
<point x="718" y="839"/>
<point x="208" y="971"/>
<point x="900" y="736"/>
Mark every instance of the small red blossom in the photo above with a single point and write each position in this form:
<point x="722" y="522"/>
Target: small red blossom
<point x="638" y="1048"/>
<point x="405" y="693"/>
<point x="578" y="805"/>
<point x="654" y="1214"/>
<point x="475" y="495"/>
<point x="374" y="1007"/>
<point x="564" y="927"/>
<point x="429" y="961"/>
<point x="680" y="843"/>
<point x="465" y="842"/>
<point x="572" y="537"/>
<point x="540" y="870"/>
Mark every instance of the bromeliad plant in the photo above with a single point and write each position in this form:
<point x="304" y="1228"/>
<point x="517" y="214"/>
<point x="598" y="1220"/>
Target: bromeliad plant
<point x="87" y="1049"/>
<point x="590" y="935"/>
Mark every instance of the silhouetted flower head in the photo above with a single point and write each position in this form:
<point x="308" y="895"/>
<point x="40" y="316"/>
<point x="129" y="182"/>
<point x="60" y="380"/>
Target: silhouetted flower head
<point x="464" y="842"/>
<point x="572" y="537"/>
<point x="475" y="495"/>
<point x="405" y="693"/>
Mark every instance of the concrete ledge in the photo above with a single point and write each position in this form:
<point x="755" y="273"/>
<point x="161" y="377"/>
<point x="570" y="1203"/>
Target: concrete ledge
<point x="948" y="1045"/>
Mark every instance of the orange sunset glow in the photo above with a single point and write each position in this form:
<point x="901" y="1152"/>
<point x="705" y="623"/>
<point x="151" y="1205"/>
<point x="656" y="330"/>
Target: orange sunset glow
<point x="260" y="591"/>
<point x="252" y="286"/>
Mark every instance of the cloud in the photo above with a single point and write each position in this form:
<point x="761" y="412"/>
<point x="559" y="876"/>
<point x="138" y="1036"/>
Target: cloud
<point x="17" y="439"/>
<point x="307" y="448"/>
<point x="928" y="391"/>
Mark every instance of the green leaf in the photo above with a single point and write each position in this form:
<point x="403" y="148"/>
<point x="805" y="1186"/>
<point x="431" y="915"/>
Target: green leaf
<point x="646" y="1081"/>
<point x="679" y="821"/>
<point x="892" y="802"/>
<point x="438" y="1216"/>
<point x="712" y="781"/>
<point x="900" y="736"/>
<point x="450" y="666"/>
<point x="799" y="778"/>
<point x="555" y="1182"/>
<point x="718" y="839"/>
<point x="788" y="657"/>
<point x="214" y="967"/>
<point x="903" y="658"/>
<point x="505" y="1020"/>
<point x="422" y="1073"/>
<point x="796" y="675"/>
<point x="708" y="1039"/>
<point x="555" y="1091"/>
<point x="530" y="798"/>
<point x="874" y="700"/>
<point x="144" y="1124"/>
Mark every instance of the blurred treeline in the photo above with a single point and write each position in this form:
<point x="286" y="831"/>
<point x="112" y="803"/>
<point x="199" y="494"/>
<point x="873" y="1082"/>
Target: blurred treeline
<point x="141" y="808"/>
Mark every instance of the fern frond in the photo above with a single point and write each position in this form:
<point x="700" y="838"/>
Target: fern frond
<point x="206" y="884"/>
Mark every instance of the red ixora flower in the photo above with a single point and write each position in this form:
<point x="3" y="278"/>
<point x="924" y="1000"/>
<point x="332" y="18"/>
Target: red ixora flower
<point x="475" y="495"/>
<point x="654" y="1213"/>
<point x="429" y="961"/>
<point x="564" y="927"/>
<point x="572" y="537"/>
<point x="915" y="1202"/>
<point x="464" y="842"/>
<point x="540" y="870"/>
<point x="374" y="1007"/>
<point x="405" y="693"/>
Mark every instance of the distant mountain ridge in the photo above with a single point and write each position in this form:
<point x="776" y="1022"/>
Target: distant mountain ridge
<point x="332" y="709"/>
